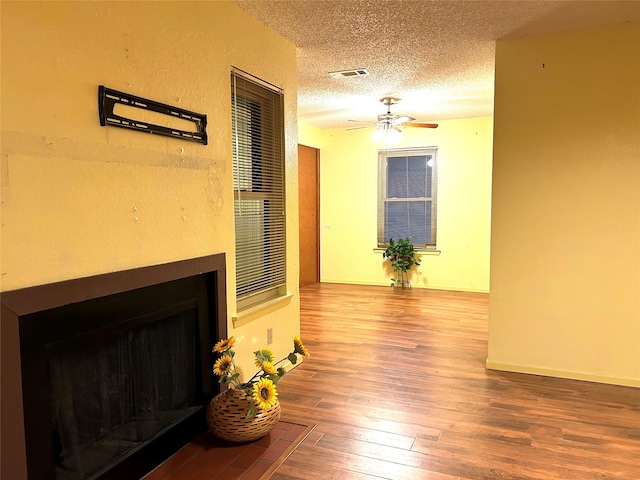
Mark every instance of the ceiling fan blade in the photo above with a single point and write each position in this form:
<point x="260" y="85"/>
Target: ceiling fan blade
<point x="422" y="125"/>
<point x="401" y="120"/>
<point x="368" y="124"/>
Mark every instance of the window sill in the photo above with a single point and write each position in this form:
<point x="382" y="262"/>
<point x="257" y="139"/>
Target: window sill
<point x="419" y="252"/>
<point x="249" y="314"/>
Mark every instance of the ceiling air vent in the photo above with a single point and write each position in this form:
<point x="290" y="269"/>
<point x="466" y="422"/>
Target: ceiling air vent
<point x="358" y="72"/>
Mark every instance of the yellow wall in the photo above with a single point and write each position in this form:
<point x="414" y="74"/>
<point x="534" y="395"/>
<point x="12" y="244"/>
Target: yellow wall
<point x="309" y="135"/>
<point x="348" y="205"/>
<point x="80" y="199"/>
<point x="565" y="243"/>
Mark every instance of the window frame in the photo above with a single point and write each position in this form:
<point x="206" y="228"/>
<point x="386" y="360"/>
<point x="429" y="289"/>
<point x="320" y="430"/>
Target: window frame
<point x="383" y="156"/>
<point x="259" y="177"/>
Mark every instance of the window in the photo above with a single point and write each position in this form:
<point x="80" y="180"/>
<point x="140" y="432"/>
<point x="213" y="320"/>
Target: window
<point x="258" y="183"/>
<point x="407" y="196"/>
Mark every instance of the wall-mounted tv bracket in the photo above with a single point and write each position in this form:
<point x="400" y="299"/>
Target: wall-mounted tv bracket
<point x="108" y="98"/>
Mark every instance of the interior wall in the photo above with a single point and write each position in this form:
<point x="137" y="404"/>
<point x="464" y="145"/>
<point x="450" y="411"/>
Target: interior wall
<point x="79" y="199"/>
<point x="565" y="243"/>
<point x="348" y="205"/>
<point x="309" y="135"/>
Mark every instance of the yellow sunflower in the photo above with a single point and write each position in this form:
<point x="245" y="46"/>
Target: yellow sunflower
<point x="268" y="368"/>
<point x="299" y="347"/>
<point x="263" y="355"/>
<point x="223" y="365"/>
<point x="265" y="394"/>
<point x="224" y="345"/>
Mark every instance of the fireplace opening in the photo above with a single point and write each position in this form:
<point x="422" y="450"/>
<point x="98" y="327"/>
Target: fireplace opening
<point x="110" y="396"/>
<point x="115" y="368"/>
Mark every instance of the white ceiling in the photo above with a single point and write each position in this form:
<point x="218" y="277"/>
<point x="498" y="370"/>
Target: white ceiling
<point x="436" y="55"/>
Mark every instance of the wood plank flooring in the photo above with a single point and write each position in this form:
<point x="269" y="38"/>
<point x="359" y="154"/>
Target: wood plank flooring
<point x="398" y="388"/>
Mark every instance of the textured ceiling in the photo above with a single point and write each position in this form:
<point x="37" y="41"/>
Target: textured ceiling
<point x="436" y="55"/>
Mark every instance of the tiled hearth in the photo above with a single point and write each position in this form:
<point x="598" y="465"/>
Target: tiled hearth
<point x="209" y="458"/>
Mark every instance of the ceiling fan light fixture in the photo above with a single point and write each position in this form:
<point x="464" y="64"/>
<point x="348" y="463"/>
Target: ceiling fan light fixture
<point x="387" y="135"/>
<point x="392" y="136"/>
<point x="389" y="126"/>
<point x="377" y="135"/>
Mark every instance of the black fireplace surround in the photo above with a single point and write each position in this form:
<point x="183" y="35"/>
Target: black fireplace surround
<point x="105" y="377"/>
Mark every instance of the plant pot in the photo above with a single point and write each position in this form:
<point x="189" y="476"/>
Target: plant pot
<point x="226" y="417"/>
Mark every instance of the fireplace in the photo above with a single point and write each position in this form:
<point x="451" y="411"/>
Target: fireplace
<point x="105" y="377"/>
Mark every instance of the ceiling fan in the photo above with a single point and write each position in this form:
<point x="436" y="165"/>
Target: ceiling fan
<point x="388" y="120"/>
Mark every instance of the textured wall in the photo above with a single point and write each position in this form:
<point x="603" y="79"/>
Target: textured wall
<point x="80" y="199"/>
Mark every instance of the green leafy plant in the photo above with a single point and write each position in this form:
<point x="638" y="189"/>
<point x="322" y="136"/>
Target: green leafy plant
<point x="402" y="256"/>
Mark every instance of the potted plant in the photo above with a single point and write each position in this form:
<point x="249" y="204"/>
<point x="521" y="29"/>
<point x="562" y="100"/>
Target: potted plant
<point x="247" y="410"/>
<point x="402" y="256"/>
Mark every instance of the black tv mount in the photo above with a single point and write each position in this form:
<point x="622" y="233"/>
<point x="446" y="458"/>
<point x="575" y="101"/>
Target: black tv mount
<point x="108" y="98"/>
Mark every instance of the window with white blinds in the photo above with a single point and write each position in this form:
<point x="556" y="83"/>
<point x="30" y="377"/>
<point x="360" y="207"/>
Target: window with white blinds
<point x="407" y="196"/>
<point x="259" y="188"/>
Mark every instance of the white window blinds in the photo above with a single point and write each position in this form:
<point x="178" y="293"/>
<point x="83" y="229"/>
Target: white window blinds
<point x="259" y="188"/>
<point x="407" y="196"/>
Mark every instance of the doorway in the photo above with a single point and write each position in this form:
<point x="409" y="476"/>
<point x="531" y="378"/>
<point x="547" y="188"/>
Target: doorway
<point x="309" y="214"/>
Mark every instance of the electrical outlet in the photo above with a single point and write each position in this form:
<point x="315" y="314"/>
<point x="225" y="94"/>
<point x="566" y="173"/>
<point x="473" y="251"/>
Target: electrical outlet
<point x="269" y="336"/>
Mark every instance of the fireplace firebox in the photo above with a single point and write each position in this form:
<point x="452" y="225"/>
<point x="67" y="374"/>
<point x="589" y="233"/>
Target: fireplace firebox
<point x="104" y="377"/>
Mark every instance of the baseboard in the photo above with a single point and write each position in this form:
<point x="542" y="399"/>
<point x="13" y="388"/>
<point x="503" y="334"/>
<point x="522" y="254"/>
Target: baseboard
<point x="413" y="285"/>
<point x="547" y="372"/>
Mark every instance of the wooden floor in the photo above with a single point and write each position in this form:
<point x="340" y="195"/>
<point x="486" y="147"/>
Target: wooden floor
<point x="398" y="388"/>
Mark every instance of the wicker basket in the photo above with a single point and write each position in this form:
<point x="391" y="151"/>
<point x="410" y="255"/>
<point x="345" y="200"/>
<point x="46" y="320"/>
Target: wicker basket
<point x="226" y="417"/>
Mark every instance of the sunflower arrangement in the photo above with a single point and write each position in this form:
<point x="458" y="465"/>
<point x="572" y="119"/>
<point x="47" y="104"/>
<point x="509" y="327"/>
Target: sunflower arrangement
<point x="262" y="386"/>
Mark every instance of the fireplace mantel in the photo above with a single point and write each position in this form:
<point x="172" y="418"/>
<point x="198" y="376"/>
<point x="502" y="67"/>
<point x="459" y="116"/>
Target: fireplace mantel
<point x="20" y="307"/>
